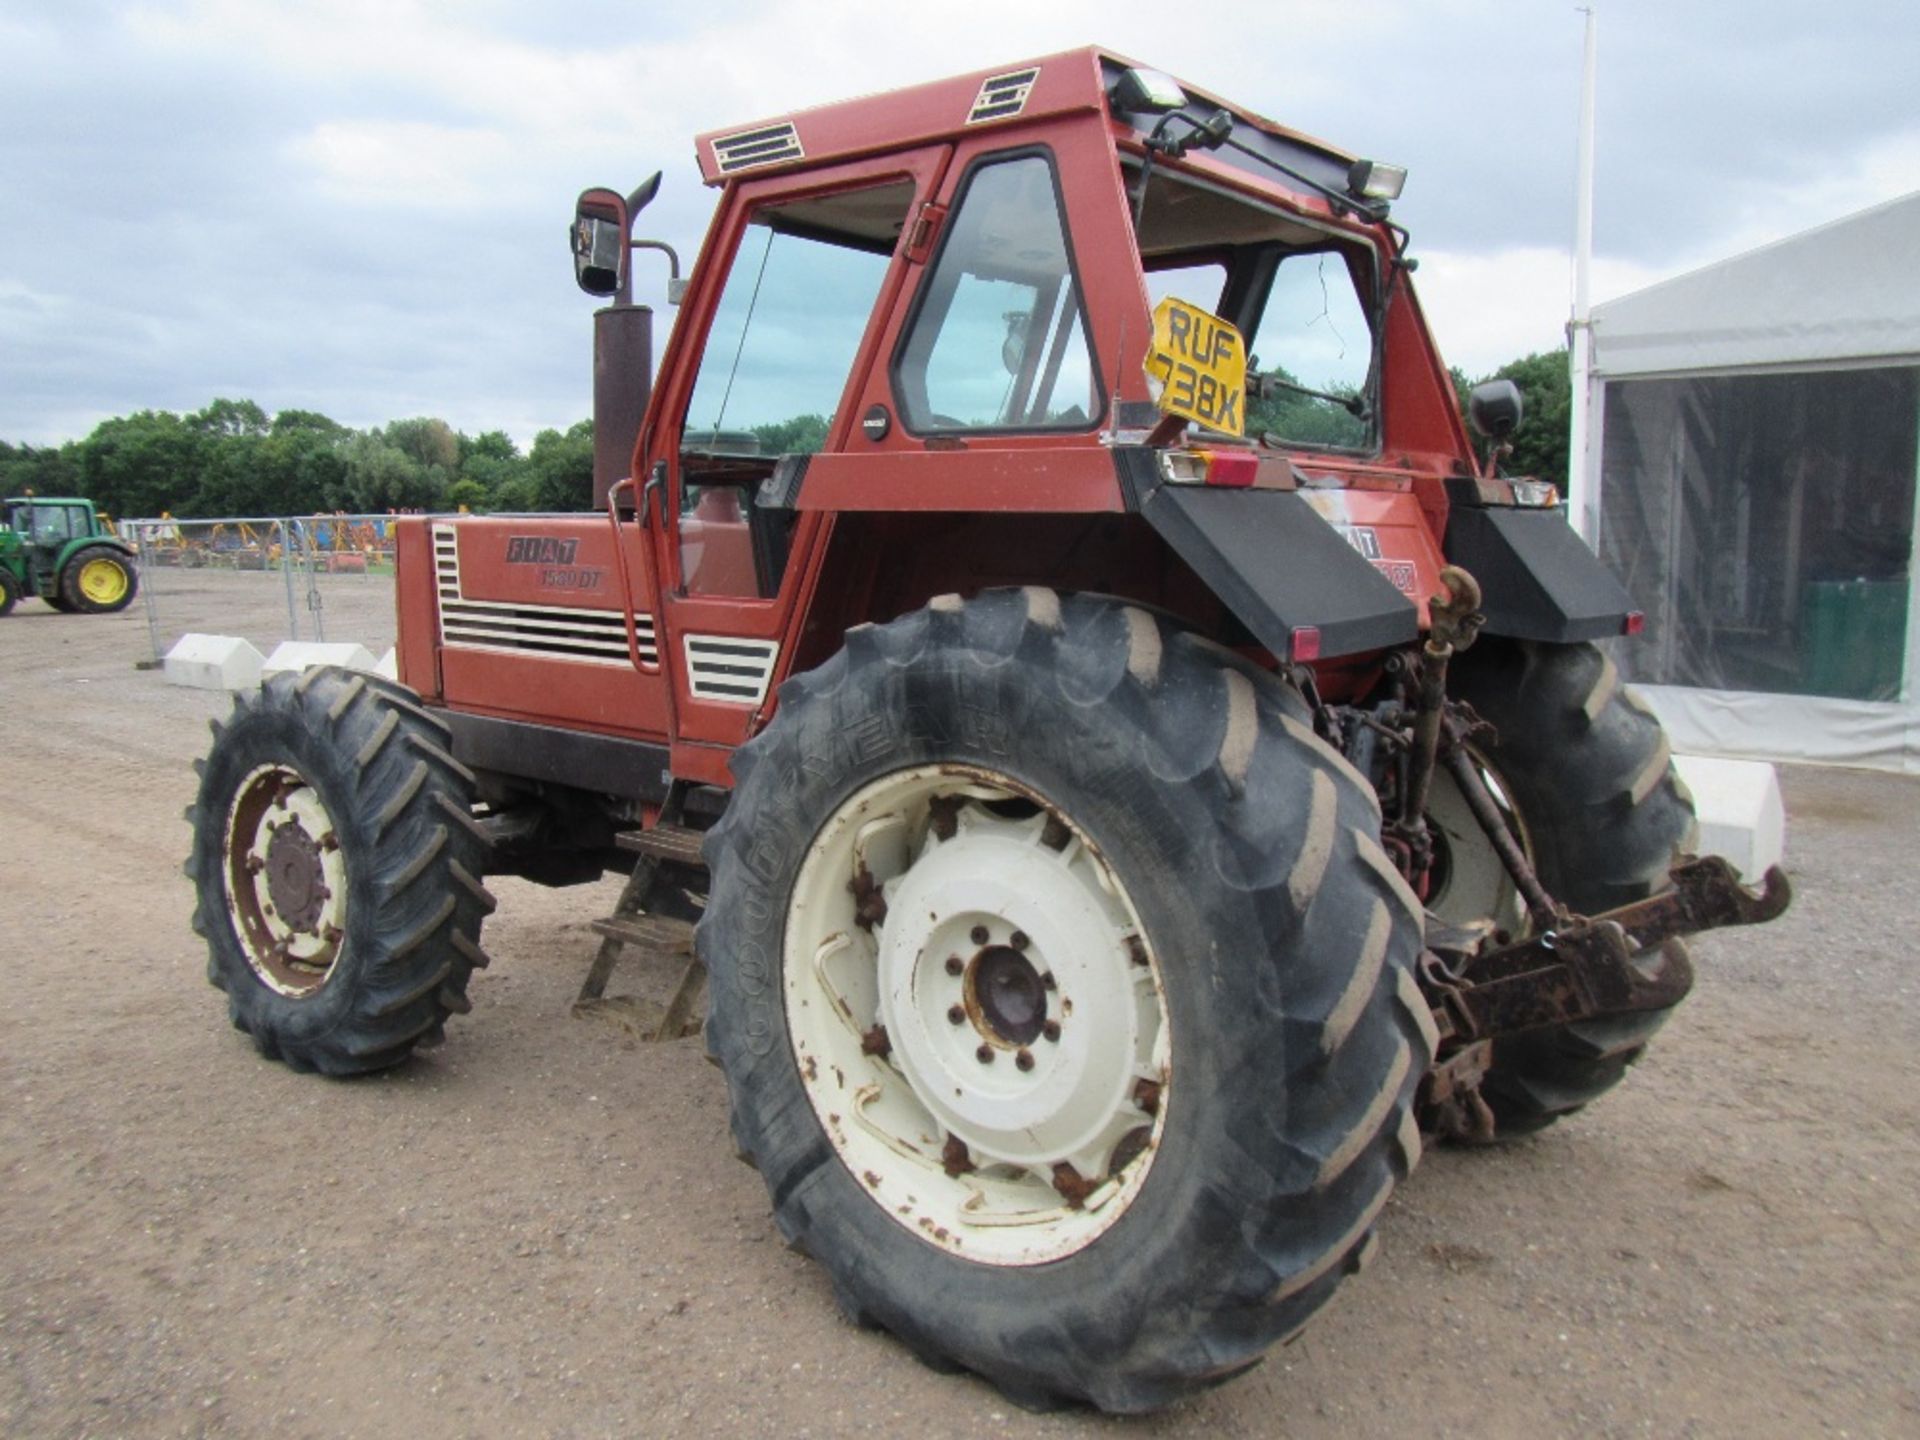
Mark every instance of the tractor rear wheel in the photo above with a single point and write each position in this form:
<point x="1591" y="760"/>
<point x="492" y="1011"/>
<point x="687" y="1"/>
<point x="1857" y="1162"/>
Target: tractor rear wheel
<point x="1585" y="773"/>
<point x="1064" y="996"/>
<point x="337" y="864"/>
<point x="98" y="581"/>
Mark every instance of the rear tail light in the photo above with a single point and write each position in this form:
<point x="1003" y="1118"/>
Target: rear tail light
<point x="1230" y="469"/>
<point x="1234" y="468"/>
<point x="1635" y="622"/>
<point x="1304" y="643"/>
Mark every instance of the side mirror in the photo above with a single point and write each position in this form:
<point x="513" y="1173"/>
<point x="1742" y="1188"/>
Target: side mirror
<point x="599" y="236"/>
<point x="1494" y="409"/>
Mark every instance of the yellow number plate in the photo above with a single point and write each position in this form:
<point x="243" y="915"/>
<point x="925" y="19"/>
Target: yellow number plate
<point x="1201" y="364"/>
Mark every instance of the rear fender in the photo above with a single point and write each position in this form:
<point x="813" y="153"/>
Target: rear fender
<point x="90" y="542"/>
<point x="1302" y="581"/>
<point x="1539" y="579"/>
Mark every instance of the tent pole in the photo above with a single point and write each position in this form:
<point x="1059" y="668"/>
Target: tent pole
<point x="1583" y="469"/>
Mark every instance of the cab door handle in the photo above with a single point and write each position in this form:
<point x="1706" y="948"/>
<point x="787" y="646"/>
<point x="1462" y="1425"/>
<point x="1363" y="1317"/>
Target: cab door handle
<point x="656" y="484"/>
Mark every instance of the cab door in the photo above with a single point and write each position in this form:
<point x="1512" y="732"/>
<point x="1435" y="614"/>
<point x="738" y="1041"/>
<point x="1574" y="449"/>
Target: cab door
<point x="795" y="275"/>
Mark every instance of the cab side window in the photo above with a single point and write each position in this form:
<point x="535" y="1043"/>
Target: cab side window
<point x="796" y="303"/>
<point x="998" y="340"/>
<point x="798" y="299"/>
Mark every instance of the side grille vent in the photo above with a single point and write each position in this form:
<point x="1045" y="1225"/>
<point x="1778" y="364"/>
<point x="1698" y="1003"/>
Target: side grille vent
<point x="562" y="631"/>
<point x="768" y="145"/>
<point x="721" y="667"/>
<point x="1003" y="96"/>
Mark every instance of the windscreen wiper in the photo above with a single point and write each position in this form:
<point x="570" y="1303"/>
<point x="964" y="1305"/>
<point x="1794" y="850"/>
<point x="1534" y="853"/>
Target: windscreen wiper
<point x="1261" y="386"/>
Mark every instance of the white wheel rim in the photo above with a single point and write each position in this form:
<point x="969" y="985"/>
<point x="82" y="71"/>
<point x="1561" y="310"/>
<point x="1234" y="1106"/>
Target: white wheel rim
<point x="1057" y="985"/>
<point x="1476" y="886"/>
<point x="276" y="821"/>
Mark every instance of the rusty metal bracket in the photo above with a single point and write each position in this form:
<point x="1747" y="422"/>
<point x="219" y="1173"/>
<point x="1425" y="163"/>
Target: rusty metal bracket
<point x="1450" y="1095"/>
<point x="1584" y="973"/>
<point x="1707" y="894"/>
<point x="1455" y="620"/>
<point x="1618" y="963"/>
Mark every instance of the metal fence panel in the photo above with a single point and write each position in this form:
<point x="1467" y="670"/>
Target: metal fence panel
<point x="267" y="578"/>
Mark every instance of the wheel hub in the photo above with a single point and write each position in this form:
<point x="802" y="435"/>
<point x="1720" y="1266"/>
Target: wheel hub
<point x="1020" y="1005"/>
<point x="1006" y="996"/>
<point x="296" y="882"/>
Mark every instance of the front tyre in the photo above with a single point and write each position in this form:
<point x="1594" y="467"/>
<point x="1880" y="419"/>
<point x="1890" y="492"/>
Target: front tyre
<point x="336" y="864"/>
<point x="1064" y="995"/>
<point x="9" y="591"/>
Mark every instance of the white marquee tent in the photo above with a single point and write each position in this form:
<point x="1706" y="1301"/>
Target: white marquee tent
<point x="1753" y="473"/>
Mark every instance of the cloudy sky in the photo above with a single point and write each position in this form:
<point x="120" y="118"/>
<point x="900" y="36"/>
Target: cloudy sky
<point x="358" y="206"/>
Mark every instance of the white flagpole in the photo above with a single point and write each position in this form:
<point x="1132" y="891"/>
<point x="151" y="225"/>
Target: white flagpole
<point x="1583" y="471"/>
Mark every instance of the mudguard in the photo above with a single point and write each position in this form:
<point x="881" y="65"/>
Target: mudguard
<point x="1539" y="579"/>
<point x="1280" y="569"/>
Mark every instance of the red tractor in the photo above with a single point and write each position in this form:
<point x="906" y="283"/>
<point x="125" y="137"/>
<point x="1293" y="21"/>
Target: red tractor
<point x="1053" y="664"/>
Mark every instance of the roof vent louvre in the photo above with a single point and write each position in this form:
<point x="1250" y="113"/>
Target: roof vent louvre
<point x="768" y="145"/>
<point x="1003" y="96"/>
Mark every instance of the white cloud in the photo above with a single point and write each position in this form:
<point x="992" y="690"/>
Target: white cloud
<point x="403" y="162"/>
<point x="357" y="123"/>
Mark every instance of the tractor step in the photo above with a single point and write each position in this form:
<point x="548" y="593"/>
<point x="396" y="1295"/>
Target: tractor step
<point x="663" y="939"/>
<point x="679" y="844"/>
<point x="658" y="933"/>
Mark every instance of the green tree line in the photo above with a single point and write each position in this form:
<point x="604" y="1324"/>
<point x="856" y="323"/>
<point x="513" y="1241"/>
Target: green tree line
<point x="232" y="458"/>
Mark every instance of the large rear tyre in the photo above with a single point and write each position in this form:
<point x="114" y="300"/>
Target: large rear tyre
<point x="98" y="580"/>
<point x="1064" y="996"/>
<point x="1586" y="771"/>
<point x="337" y="865"/>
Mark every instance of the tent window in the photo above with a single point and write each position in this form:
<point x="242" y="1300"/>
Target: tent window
<point x="1764" y="524"/>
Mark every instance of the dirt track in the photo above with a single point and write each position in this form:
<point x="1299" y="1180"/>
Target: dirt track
<point x="539" y="1228"/>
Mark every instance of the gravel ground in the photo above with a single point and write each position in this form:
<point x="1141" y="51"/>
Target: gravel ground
<point x="539" y="1228"/>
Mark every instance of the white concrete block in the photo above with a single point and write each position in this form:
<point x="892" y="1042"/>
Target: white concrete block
<point x="213" y="662"/>
<point x="1741" y="814"/>
<point x="388" y="665"/>
<point x="298" y="655"/>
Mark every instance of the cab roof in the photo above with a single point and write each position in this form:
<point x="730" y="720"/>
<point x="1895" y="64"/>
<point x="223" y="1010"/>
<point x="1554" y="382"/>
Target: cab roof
<point x="1071" y="82"/>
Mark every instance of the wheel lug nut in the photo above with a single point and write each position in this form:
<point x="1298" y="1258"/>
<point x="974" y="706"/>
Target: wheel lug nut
<point x="1049" y="982"/>
<point x="984" y="1054"/>
<point x="1018" y="940"/>
<point x="956" y="1015"/>
<point x="980" y="936"/>
<point x="955" y="965"/>
<point x="1024" y="1059"/>
<point x="1051" y="1030"/>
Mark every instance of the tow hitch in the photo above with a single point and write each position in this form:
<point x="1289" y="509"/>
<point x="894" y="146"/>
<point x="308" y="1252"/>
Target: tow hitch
<point x="1617" y="963"/>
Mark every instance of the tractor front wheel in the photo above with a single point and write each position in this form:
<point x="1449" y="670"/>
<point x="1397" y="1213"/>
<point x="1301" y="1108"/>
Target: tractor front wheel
<point x="337" y="864"/>
<point x="98" y="581"/>
<point x="1064" y="995"/>
<point x="9" y="591"/>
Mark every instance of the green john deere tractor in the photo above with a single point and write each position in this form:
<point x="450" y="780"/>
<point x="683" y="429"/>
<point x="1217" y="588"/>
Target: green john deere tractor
<point x="62" y="551"/>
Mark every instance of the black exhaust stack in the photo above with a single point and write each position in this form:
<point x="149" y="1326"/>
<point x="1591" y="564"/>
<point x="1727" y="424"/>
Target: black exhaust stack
<point x="622" y="385"/>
